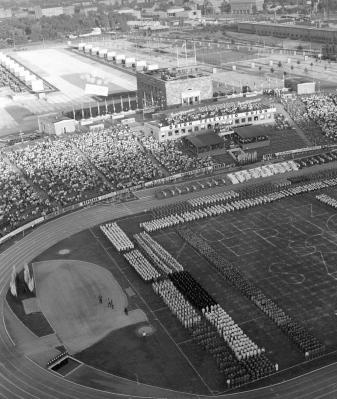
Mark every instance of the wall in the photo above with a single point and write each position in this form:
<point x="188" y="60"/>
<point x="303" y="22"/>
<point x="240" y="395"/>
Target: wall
<point x="174" y="89"/>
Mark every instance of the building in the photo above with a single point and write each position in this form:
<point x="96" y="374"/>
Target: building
<point x="51" y="11"/>
<point x="130" y="11"/>
<point x="5" y="13"/>
<point x="246" y="6"/>
<point x="200" y="126"/>
<point x="297" y="32"/>
<point x="180" y="86"/>
<point x="69" y="10"/>
<point x="57" y="124"/>
<point x="87" y="9"/>
<point x="251" y="137"/>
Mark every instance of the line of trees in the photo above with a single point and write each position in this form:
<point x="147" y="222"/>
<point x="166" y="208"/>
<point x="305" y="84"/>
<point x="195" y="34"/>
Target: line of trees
<point x="23" y="30"/>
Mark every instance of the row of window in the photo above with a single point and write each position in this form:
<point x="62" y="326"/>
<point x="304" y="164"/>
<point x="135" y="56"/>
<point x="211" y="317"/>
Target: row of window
<point x="186" y="131"/>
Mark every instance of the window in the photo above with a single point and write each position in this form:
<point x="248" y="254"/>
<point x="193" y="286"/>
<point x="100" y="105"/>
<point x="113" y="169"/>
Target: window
<point x="249" y="118"/>
<point x="176" y="131"/>
<point x="237" y="121"/>
<point x="243" y="120"/>
<point x="169" y="133"/>
<point x="256" y="118"/>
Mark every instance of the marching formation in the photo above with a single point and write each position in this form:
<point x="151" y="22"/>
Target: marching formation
<point x="178" y="305"/>
<point x="326" y="199"/>
<point x="158" y="255"/>
<point x="117" y="237"/>
<point x="213" y="198"/>
<point x="142" y="266"/>
<point x="221" y="208"/>
<point x="308" y="344"/>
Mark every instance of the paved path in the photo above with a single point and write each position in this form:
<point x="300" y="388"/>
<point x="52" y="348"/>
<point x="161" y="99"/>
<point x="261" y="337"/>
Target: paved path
<point x="21" y="378"/>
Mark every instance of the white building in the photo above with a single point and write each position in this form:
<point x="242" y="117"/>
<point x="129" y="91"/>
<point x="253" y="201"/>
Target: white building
<point x="58" y="125"/>
<point x="246" y="6"/>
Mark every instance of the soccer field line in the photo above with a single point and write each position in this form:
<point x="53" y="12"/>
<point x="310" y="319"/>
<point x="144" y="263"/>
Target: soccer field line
<point x="159" y="322"/>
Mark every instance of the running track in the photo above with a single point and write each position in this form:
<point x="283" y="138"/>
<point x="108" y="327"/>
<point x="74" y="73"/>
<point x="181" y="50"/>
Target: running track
<point x="21" y="378"/>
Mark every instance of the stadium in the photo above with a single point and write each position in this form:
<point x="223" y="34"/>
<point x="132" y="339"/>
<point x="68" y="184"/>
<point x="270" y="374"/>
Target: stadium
<point x="176" y="243"/>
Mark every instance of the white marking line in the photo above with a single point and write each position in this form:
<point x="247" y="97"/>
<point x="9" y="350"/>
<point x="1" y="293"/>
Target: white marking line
<point x="160" y="309"/>
<point x="3" y="316"/>
<point x="266" y="240"/>
<point x="163" y="327"/>
<point x="75" y="368"/>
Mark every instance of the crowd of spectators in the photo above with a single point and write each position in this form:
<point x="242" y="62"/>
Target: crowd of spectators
<point x="322" y="108"/>
<point x="19" y="202"/>
<point x="171" y="156"/>
<point x="211" y="111"/>
<point x="117" y="153"/>
<point x="59" y="170"/>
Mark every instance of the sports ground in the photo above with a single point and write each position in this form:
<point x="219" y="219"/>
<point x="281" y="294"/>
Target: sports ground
<point x="287" y="248"/>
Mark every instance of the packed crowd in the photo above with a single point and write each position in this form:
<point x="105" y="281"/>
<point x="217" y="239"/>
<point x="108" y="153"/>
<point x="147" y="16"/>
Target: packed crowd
<point x="141" y="265"/>
<point x="322" y="108"/>
<point x="170" y="155"/>
<point x="308" y="344"/>
<point x="59" y="170"/>
<point x="118" y="155"/>
<point x="298" y="112"/>
<point x="117" y="237"/>
<point x="212" y="111"/>
<point x="19" y="202"/>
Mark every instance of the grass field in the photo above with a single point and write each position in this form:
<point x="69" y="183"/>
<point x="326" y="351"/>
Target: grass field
<point x="287" y="248"/>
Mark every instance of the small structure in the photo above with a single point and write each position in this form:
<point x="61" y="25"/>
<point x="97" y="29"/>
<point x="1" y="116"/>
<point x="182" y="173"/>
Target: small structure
<point x="57" y="124"/>
<point x="254" y="136"/>
<point x="203" y="142"/>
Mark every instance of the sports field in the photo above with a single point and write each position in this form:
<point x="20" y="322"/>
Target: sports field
<point x="287" y="248"/>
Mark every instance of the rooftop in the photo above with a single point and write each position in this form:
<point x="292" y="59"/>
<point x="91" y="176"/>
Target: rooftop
<point x="204" y="140"/>
<point x="252" y="131"/>
<point x="177" y="73"/>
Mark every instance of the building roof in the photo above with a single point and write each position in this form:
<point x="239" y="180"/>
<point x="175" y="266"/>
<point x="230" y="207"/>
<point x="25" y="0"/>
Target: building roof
<point x="252" y="131"/>
<point x="204" y="140"/>
<point x="55" y="118"/>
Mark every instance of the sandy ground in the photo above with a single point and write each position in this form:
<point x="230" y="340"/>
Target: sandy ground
<point x="52" y="64"/>
<point x="68" y="291"/>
